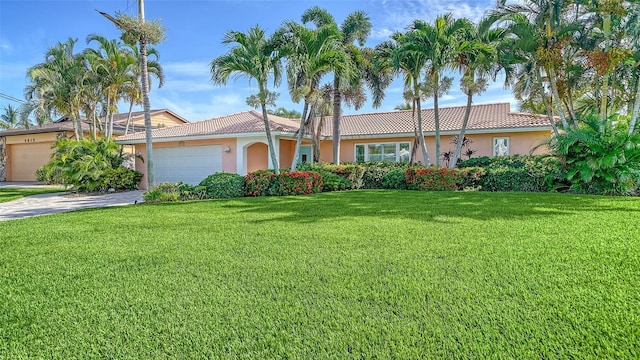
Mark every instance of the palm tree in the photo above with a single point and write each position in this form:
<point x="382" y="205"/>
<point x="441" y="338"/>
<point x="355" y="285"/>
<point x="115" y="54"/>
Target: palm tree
<point x="402" y="56"/>
<point x="310" y="54"/>
<point x="254" y="57"/>
<point x="438" y="41"/>
<point x="10" y="119"/>
<point x="58" y="83"/>
<point x="355" y="28"/>
<point x="476" y="56"/>
<point x="115" y="66"/>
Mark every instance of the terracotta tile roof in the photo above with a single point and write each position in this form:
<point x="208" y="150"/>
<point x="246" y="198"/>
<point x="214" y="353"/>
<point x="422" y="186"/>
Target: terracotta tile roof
<point x="243" y="122"/>
<point x="481" y="117"/>
<point x="64" y="124"/>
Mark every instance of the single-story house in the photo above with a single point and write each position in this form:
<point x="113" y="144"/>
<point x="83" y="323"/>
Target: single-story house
<point x="237" y="143"/>
<point x="22" y="151"/>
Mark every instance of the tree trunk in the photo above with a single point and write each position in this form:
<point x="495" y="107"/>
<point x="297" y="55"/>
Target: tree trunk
<point x="317" y="136"/>
<point x="296" y="151"/>
<point x="337" y="101"/>
<point x="556" y="97"/>
<point x="636" y="108"/>
<point x="606" y="29"/>
<point x="126" y="128"/>
<point x="416" y="95"/>
<point x="144" y="74"/>
<point x="467" y="111"/>
<point x="436" y="116"/>
<point x="267" y="129"/>
<point x="547" y="105"/>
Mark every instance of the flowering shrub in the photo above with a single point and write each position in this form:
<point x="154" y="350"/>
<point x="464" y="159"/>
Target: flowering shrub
<point x="261" y="183"/>
<point x="433" y="179"/>
<point x="352" y="173"/>
<point x="299" y="183"/>
<point x="471" y="178"/>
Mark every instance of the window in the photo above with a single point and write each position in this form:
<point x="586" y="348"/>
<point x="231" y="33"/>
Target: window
<point x="500" y="146"/>
<point x="393" y="152"/>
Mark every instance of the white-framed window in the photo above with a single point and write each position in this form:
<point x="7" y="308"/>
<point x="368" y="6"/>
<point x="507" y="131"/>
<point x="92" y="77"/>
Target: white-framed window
<point x="500" y="146"/>
<point x="394" y="152"/>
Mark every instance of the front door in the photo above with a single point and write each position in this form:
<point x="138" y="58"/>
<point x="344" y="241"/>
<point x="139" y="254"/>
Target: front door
<point x="305" y="154"/>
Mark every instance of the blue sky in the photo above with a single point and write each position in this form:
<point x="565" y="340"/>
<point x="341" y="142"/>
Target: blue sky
<point x="193" y="38"/>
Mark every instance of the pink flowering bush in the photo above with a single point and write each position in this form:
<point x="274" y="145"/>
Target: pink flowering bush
<point x="299" y="183"/>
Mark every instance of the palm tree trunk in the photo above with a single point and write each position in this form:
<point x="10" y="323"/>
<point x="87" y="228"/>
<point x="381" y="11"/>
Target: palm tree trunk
<point x="436" y="116"/>
<point x="467" y="111"/>
<point x="606" y="29"/>
<point x="296" y="151"/>
<point x="337" y="100"/>
<point x="636" y="108"/>
<point x="267" y="129"/>
<point x="126" y="128"/>
<point x="110" y="125"/>
<point x="547" y="105"/>
<point x="556" y="97"/>
<point x="425" y="155"/>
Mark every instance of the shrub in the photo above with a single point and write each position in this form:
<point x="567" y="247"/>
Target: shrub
<point x="599" y="158"/>
<point x="395" y="179"/>
<point x="376" y="172"/>
<point x="432" y="179"/>
<point x="223" y="185"/>
<point x="299" y="183"/>
<point x="85" y="165"/>
<point x="471" y="178"/>
<point x="352" y="173"/>
<point x="528" y="173"/>
<point x="171" y="192"/>
<point x="121" y="178"/>
<point x="261" y="183"/>
<point x="333" y="182"/>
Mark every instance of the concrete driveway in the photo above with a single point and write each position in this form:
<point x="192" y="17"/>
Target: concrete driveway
<point x="61" y="202"/>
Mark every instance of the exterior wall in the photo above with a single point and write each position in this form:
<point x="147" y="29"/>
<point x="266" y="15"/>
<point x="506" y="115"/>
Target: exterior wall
<point x="519" y="143"/>
<point x="157" y="121"/>
<point x="3" y="159"/>
<point x="25" y="153"/>
<point x="228" y="158"/>
<point x="257" y="157"/>
<point x="286" y="152"/>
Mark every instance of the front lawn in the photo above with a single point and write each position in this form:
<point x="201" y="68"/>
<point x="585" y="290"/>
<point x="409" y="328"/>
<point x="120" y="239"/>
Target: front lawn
<point x="360" y="274"/>
<point x="13" y="193"/>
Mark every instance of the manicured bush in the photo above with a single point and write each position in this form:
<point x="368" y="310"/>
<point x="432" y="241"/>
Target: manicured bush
<point x="395" y="179"/>
<point x="432" y="179"/>
<point x="121" y="178"/>
<point x="333" y="182"/>
<point x="223" y="185"/>
<point x="528" y="173"/>
<point x="471" y="178"/>
<point x="376" y="172"/>
<point x="351" y="172"/>
<point x="171" y="192"/>
<point x="299" y="183"/>
<point x="261" y="183"/>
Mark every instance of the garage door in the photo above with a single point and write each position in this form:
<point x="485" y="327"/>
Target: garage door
<point x="26" y="158"/>
<point x="187" y="164"/>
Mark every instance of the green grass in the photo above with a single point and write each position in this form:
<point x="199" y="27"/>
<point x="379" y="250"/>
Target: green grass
<point x="362" y="274"/>
<point x="13" y="193"/>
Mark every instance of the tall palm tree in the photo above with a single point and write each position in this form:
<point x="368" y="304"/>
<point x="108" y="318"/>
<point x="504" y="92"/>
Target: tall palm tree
<point x="310" y="54"/>
<point x="476" y="57"/>
<point x="254" y="57"/>
<point x="58" y="83"/>
<point x="438" y="41"/>
<point x="10" y="119"/>
<point x="354" y="29"/>
<point x="401" y="56"/>
<point x="116" y="66"/>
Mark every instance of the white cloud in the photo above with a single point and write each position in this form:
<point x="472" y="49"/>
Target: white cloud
<point x="188" y="85"/>
<point x="196" y="109"/>
<point x="188" y="68"/>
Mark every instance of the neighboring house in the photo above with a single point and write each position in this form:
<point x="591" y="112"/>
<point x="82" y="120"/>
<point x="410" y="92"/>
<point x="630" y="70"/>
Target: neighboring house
<point x="237" y="143"/>
<point x="22" y="151"/>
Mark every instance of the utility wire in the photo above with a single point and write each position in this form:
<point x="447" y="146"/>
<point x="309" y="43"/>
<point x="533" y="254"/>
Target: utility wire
<point x="9" y="97"/>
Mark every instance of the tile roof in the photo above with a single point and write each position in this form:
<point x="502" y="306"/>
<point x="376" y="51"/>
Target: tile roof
<point x="243" y="122"/>
<point x="482" y="117"/>
<point x="64" y="124"/>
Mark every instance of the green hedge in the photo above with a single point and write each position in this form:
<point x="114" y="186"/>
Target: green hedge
<point x="171" y="192"/>
<point x="223" y="185"/>
<point x="350" y="173"/>
<point x="383" y="175"/>
<point x="527" y="173"/>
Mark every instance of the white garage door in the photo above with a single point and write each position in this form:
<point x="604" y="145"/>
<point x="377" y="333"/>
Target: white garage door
<point x="187" y="164"/>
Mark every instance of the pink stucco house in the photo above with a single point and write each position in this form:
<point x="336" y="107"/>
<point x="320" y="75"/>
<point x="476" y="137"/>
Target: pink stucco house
<point x="237" y="143"/>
